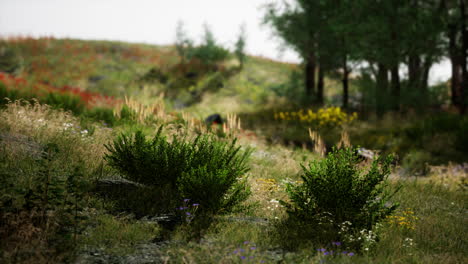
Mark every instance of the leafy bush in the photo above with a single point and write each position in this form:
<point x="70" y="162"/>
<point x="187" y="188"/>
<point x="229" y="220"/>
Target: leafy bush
<point x="64" y="101"/>
<point x="336" y="191"/>
<point x="11" y="94"/>
<point x="10" y="59"/>
<point x="105" y="115"/>
<point x="209" y="52"/>
<point x="205" y="170"/>
<point x="416" y="162"/>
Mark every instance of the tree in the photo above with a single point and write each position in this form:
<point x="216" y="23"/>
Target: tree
<point x="183" y="43"/>
<point x="240" y="46"/>
<point x="385" y="35"/>
<point x="298" y="27"/>
<point x="455" y="14"/>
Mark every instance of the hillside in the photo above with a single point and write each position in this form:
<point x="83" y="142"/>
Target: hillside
<point x="106" y="157"/>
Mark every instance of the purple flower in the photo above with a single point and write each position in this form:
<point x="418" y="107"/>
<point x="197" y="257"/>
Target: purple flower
<point x="195" y="204"/>
<point x="336" y="243"/>
<point x="235" y="251"/>
<point x="242" y="257"/>
<point x="187" y="213"/>
<point x="350" y="254"/>
<point x="186" y="200"/>
<point x="253" y="248"/>
<point x="344" y="252"/>
<point x="326" y="253"/>
<point x="246" y="242"/>
<point x="321" y="249"/>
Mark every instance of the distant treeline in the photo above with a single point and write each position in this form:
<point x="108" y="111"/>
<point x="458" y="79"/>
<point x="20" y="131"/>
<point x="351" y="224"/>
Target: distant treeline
<point x="339" y="35"/>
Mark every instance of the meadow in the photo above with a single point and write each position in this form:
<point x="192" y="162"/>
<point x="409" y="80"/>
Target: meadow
<point x="106" y="157"/>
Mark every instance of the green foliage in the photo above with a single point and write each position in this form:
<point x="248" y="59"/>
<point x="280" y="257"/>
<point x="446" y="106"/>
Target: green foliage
<point x="183" y="42"/>
<point x="336" y="190"/>
<point x="105" y="115"/>
<point x="240" y="47"/>
<point x="150" y="162"/>
<point x="155" y="74"/>
<point x="118" y="235"/>
<point x="40" y="203"/>
<point x="64" y="101"/>
<point x="209" y="52"/>
<point x="416" y="162"/>
<point x="216" y="190"/>
<point x="204" y="168"/>
<point x="11" y="94"/>
<point x="10" y="59"/>
<point x="292" y="88"/>
<point x="128" y="114"/>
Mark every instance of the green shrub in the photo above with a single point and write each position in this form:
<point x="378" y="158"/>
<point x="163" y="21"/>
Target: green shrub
<point x="10" y="59"/>
<point x="204" y="170"/>
<point x="336" y="191"/>
<point x="127" y="114"/>
<point x="11" y="94"/>
<point x="41" y="200"/>
<point x="416" y="162"/>
<point x="155" y="74"/>
<point x="209" y="52"/>
<point x="105" y="115"/>
<point x="66" y="102"/>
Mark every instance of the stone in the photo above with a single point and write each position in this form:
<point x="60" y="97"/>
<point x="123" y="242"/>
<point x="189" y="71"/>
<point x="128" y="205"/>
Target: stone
<point x="214" y="119"/>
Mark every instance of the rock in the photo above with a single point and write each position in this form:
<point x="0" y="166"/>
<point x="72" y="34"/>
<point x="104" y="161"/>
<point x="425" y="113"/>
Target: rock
<point x="21" y="144"/>
<point x="155" y="75"/>
<point x="214" y="119"/>
<point x="366" y="153"/>
<point x="111" y="187"/>
<point x="95" y="78"/>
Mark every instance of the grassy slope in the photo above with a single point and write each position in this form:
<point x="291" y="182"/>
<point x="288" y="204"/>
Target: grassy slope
<point x="439" y="233"/>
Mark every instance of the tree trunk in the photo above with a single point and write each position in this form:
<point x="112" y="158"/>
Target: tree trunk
<point x="463" y="57"/>
<point x="320" y="85"/>
<point x="424" y="82"/>
<point x="455" y="83"/>
<point x="310" y="75"/>
<point x="381" y="89"/>
<point x="395" y="88"/>
<point x="414" y="71"/>
<point x="394" y="71"/>
<point x="345" y="82"/>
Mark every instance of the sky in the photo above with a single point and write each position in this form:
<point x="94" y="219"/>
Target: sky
<point x="152" y="22"/>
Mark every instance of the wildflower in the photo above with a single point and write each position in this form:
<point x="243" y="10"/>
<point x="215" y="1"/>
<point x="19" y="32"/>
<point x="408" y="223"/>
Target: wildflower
<point x="195" y="204"/>
<point x="350" y="254"/>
